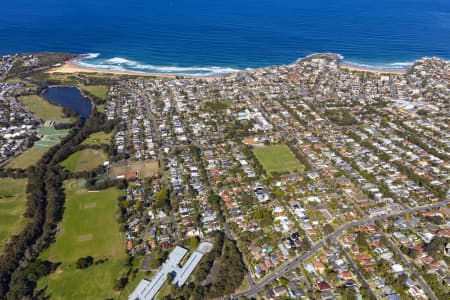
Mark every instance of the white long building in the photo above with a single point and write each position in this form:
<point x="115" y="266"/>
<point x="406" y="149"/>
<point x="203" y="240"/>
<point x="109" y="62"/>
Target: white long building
<point x="147" y="290"/>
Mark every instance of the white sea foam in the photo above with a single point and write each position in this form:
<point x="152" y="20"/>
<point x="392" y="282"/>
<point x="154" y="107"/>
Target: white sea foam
<point x="120" y="60"/>
<point x="91" y="60"/>
<point x="99" y="66"/>
<point x="123" y="64"/>
<point x="386" y="66"/>
<point x="402" y="64"/>
<point x="91" y="55"/>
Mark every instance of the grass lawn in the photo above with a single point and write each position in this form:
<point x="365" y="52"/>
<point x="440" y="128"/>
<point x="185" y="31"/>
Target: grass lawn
<point x="145" y="169"/>
<point x="12" y="207"/>
<point x="84" y="160"/>
<point x="277" y="159"/>
<point x="43" y="109"/>
<point x="26" y="159"/>
<point x="89" y="227"/>
<point x="101" y="108"/>
<point x="32" y="155"/>
<point x="65" y="121"/>
<point x="99" y="91"/>
<point x="98" y="138"/>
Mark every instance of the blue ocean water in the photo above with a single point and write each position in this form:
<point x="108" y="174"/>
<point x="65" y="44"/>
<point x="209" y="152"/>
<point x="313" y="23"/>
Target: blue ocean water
<point x="211" y="36"/>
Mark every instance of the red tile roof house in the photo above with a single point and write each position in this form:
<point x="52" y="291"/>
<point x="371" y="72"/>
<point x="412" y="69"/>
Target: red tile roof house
<point x="129" y="245"/>
<point x="323" y="286"/>
<point x="324" y="258"/>
<point x="320" y="267"/>
<point x="344" y="276"/>
<point x="130" y="175"/>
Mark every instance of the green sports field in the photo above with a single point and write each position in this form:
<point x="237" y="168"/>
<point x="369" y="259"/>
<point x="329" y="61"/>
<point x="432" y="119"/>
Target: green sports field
<point x="40" y="107"/>
<point x="277" y="159"/>
<point x="99" y="91"/>
<point x="145" y="168"/>
<point x="12" y="207"/>
<point x="84" y="160"/>
<point x="98" y="138"/>
<point x="31" y="156"/>
<point x="89" y="227"/>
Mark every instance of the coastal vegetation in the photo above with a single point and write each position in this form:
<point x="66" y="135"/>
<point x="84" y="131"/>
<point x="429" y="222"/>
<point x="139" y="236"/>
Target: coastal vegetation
<point x="44" y="61"/>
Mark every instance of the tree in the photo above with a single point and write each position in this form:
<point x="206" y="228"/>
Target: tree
<point x="120" y="284"/>
<point x="170" y="277"/>
<point x="328" y="229"/>
<point x="284" y="281"/>
<point x="231" y="271"/>
<point x="162" y="200"/>
<point x="349" y="294"/>
<point x="84" y="262"/>
<point x="278" y="193"/>
<point x="194" y="242"/>
<point x="162" y="195"/>
<point x="361" y="240"/>
<point x="39" y="269"/>
<point x="435" y="247"/>
<point x="154" y="263"/>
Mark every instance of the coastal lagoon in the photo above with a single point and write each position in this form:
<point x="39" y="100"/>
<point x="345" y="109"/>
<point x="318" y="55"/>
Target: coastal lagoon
<point x="69" y="97"/>
<point x="207" y="37"/>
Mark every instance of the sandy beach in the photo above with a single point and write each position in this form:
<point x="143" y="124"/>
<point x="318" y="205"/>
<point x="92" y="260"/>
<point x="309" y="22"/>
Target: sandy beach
<point x="71" y="67"/>
<point x="371" y="70"/>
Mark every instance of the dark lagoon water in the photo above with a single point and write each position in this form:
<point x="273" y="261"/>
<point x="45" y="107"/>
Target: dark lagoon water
<point x="217" y="36"/>
<point x="69" y="97"/>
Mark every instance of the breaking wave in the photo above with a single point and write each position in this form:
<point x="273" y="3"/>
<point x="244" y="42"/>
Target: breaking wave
<point x="91" y="55"/>
<point x="95" y="61"/>
<point x="91" y="60"/>
<point x="382" y="66"/>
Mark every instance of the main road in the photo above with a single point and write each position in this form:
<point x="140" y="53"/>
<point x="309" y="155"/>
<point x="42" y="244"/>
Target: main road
<point x="294" y="263"/>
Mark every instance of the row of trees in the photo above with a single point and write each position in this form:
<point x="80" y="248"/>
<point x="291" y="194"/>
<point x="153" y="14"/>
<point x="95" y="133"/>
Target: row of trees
<point x="13" y="173"/>
<point x="302" y="157"/>
<point x="413" y="135"/>
<point x="215" y="202"/>
<point x="420" y="180"/>
<point x="253" y="160"/>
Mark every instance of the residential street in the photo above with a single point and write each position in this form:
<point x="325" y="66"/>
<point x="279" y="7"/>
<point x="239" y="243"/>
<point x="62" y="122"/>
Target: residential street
<point x="286" y="267"/>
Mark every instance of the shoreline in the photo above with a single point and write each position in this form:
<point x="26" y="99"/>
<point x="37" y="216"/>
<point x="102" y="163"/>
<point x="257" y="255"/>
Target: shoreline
<point x="353" y="67"/>
<point x="71" y="66"/>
